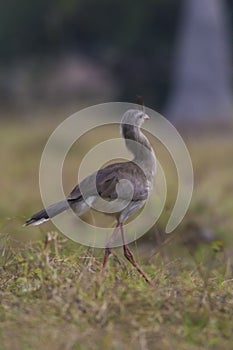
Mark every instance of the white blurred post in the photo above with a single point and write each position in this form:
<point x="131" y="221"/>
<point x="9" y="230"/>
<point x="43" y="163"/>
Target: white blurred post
<point x="201" y="87"/>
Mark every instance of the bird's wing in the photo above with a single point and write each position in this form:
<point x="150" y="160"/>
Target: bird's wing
<point x="104" y="183"/>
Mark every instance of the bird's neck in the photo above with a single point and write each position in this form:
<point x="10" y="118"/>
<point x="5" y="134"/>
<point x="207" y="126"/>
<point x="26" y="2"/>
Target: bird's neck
<point x="138" y="144"/>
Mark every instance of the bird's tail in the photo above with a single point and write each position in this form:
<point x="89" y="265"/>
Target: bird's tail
<point x="46" y="214"/>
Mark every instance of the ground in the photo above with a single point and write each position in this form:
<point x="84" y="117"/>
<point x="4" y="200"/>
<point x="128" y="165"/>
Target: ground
<point x="54" y="294"/>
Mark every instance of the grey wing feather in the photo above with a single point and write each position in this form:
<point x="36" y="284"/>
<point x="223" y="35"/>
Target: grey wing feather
<point x="104" y="182"/>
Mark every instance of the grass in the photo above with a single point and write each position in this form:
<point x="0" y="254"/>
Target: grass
<point x="54" y="294"/>
<point x="62" y="299"/>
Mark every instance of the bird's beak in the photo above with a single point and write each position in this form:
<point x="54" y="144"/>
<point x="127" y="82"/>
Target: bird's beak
<point x="146" y="117"/>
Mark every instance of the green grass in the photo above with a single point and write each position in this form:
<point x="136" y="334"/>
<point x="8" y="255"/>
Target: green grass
<point x="63" y="299"/>
<point x="55" y="295"/>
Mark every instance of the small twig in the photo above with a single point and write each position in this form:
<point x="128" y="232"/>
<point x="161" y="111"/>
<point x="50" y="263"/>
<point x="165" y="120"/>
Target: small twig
<point x="50" y="237"/>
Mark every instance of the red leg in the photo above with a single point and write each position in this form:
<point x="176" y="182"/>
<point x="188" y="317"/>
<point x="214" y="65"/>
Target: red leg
<point x="107" y="248"/>
<point x="129" y="256"/>
<point x="106" y="255"/>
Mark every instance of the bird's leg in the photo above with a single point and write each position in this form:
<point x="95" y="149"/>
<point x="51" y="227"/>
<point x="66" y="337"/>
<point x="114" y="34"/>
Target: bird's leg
<point x="129" y="256"/>
<point x="107" y="252"/>
<point x="108" y="245"/>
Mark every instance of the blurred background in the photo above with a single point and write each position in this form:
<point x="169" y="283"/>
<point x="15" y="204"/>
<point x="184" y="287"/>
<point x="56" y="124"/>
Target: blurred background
<point x="57" y="57"/>
<point x="67" y="54"/>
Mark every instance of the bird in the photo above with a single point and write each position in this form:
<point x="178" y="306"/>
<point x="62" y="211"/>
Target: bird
<point x="109" y="184"/>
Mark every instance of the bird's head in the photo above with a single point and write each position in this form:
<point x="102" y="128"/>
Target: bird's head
<point x="134" y="117"/>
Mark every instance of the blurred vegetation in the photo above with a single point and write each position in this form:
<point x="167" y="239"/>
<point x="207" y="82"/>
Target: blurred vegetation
<point x="133" y="39"/>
